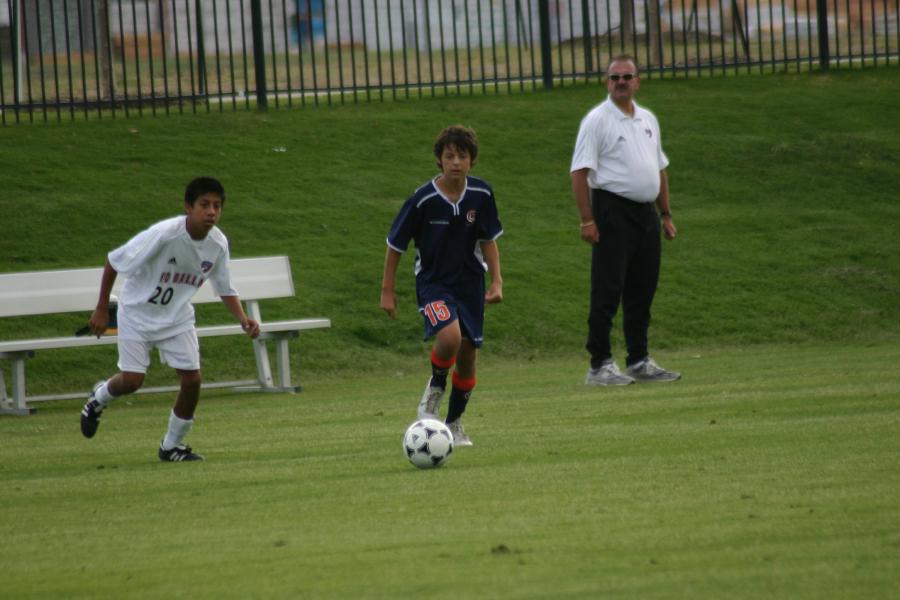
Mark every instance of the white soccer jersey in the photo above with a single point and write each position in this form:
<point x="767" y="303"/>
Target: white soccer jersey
<point x="164" y="268"/>
<point x="624" y="154"/>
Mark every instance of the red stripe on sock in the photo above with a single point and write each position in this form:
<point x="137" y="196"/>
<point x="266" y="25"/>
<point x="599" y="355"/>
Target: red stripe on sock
<point x="460" y="383"/>
<point x="440" y="362"/>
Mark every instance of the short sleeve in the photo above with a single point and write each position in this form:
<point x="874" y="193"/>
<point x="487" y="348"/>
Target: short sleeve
<point x="137" y="251"/>
<point x="661" y="156"/>
<point x="489" y="227"/>
<point x="586" y="152"/>
<point x="220" y="276"/>
<point x="404" y="226"/>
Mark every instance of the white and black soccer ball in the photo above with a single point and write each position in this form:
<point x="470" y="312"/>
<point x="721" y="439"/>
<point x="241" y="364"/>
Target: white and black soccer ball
<point x="428" y="443"/>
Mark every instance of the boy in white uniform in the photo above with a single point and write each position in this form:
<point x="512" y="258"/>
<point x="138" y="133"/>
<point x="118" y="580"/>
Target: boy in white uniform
<point x="165" y="265"/>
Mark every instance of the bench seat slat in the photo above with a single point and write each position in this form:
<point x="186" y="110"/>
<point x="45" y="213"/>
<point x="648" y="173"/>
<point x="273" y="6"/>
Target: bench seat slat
<point x="208" y="331"/>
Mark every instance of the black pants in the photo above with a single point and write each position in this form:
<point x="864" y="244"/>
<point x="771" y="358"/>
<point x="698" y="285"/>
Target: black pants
<point x="624" y="267"/>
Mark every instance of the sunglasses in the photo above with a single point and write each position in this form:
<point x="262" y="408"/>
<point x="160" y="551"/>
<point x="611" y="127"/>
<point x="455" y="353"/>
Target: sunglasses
<point x="625" y="76"/>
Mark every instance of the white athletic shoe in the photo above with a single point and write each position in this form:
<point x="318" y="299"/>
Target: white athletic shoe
<point x="607" y="374"/>
<point x="430" y="404"/>
<point x="648" y="370"/>
<point x="460" y="438"/>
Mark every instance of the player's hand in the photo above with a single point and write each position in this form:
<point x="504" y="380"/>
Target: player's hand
<point x="389" y="302"/>
<point x="494" y="294"/>
<point x="669" y="229"/>
<point x="590" y="233"/>
<point x="99" y="321"/>
<point x="250" y="327"/>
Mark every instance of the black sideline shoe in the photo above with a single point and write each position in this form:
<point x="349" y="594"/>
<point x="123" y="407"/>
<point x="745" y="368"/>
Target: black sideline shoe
<point x="90" y="415"/>
<point x="178" y="454"/>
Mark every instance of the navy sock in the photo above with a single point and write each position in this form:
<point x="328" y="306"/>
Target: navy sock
<point x="438" y="376"/>
<point x="458" y="401"/>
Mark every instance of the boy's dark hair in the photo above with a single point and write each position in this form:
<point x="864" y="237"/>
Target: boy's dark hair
<point x="200" y="186"/>
<point x="461" y="138"/>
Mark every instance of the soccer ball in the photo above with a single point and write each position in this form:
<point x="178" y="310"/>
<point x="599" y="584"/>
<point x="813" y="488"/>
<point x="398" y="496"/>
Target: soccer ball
<point x="428" y="443"/>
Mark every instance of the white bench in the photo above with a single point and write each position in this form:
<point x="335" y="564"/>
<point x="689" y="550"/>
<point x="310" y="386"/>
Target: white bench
<point x="76" y="290"/>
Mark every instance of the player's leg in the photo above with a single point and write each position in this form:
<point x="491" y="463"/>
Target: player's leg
<point x="183" y="353"/>
<point x="463" y="383"/>
<point x="438" y="309"/>
<point x="443" y="356"/>
<point x="134" y="358"/>
<point x="471" y="322"/>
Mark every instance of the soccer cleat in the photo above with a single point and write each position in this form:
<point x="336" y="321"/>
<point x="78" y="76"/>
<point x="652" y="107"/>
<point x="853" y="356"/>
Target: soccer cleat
<point x="178" y="454"/>
<point x="430" y="403"/>
<point x="90" y="414"/>
<point x="460" y="438"/>
<point x="607" y="374"/>
<point x="648" y="370"/>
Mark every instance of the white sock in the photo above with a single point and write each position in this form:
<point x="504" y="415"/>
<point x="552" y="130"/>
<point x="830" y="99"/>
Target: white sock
<point x="178" y="428"/>
<point x="102" y="394"/>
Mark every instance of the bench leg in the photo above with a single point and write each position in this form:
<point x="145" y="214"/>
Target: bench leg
<point x="263" y="369"/>
<point x="260" y="350"/>
<point x="284" y="366"/>
<point x="16" y="404"/>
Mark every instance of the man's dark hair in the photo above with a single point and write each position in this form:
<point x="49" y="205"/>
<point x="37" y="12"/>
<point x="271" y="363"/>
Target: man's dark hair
<point x="460" y="137"/>
<point x="200" y="186"/>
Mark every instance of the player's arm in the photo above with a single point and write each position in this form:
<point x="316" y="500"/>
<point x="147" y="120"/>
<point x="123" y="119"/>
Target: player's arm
<point x="389" y="282"/>
<point x="250" y="326"/>
<point x="662" y="202"/>
<point x="100" y="318"/>
<point x="582" y="194"/>
<point x="492" y="257"/>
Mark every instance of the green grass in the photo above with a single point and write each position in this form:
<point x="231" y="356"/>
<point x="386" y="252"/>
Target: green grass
<point x="764" y="473"/>
<point x="769" y="471"/>
<point x="782" y="192"/>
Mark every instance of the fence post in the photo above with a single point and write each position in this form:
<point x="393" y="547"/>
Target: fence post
<point x="201" y="49"/>
<point x="586" y="35"/>
<point x="107" y="78"/>
<point x="822" y="17"/>
<point x="259" y="55"/>
<point x="546" y="53"/>
<point x="16" y="36"/>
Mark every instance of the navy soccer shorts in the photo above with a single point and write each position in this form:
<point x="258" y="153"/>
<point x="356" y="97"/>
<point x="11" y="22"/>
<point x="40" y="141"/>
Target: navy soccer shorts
<point x="440" y="305"/>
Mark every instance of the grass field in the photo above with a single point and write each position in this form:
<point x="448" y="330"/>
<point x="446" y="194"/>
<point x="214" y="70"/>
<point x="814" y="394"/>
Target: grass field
<point x="781" y="188"/>
<point x="769" y="471"/>
<point x="764" y="473"/>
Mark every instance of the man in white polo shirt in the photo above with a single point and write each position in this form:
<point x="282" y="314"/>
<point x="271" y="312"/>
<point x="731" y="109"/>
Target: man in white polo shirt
<point x="619" y="181"/>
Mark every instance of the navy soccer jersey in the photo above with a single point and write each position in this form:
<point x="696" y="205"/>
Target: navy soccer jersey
<point x="447" y="234"/>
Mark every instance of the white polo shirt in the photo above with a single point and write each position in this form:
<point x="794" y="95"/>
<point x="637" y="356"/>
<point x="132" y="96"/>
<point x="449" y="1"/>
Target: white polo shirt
<point x="624" y="154"/>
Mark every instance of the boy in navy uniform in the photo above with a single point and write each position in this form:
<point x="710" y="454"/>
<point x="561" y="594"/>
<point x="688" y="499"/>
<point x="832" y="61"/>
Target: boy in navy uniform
<point x="453" y="222"/>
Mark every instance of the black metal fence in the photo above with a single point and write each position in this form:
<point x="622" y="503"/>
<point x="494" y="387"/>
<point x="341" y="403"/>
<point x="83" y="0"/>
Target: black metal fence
<point x="68" y="59"/>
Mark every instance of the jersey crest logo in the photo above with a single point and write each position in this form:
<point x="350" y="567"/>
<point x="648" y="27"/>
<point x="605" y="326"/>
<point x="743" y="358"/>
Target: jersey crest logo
<point x="172" y="261"/>
<point x="649" y="133"/>
<point x="470" y="215"/>
<point x="205" y="266"/>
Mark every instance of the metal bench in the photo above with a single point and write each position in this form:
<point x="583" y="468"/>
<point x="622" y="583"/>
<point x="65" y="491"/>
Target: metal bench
<point x="76" y="290"/>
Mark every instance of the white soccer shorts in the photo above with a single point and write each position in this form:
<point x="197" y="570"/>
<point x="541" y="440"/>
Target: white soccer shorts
<point x="179" y="352"/>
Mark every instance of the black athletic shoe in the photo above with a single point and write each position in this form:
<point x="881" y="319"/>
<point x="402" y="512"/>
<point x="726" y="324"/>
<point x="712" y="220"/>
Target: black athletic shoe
<point x="90" y="415"/>
<point x="178" y="454"/>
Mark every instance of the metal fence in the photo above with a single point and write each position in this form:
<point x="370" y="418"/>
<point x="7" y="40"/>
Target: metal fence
<point x="68" y="59"/>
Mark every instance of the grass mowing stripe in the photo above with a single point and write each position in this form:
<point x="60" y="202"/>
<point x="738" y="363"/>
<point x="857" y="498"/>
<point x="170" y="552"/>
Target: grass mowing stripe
<point x="764" y="472"/>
